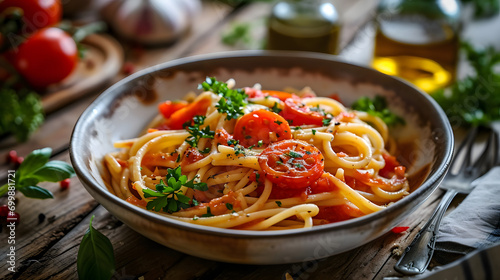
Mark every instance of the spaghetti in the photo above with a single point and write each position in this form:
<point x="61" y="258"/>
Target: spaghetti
<point x="258" y="160"/>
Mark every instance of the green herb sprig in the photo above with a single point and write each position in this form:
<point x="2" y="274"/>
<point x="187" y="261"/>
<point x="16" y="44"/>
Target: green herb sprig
<point x="378" y="107"/>
<point x="196" y="132"/>
<point x="232" y="101"/>
<point x="96" y="259"/>
<point x="21" y="112"/>
<point x="168" y="197"/>
<point x="37" y="168"/>
<point x="474" y="100"/>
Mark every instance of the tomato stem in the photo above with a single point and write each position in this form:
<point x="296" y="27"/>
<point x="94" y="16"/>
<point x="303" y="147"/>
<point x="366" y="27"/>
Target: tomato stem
<point x="81" y="32"/>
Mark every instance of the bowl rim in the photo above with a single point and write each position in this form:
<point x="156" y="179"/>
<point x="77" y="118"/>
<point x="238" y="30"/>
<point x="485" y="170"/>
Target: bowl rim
<point x="90" y="182"/>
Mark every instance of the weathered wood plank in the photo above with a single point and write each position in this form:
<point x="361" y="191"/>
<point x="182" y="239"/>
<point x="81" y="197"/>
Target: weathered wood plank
<point x="34" y="236"/>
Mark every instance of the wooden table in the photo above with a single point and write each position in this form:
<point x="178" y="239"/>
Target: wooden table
<point x="49" y="235"/>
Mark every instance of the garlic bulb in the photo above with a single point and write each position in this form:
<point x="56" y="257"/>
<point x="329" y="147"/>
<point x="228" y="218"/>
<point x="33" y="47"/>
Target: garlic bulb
<point x="151" y="21"/>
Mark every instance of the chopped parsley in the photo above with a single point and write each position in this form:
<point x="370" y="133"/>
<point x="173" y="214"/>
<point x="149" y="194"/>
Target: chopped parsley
<point x="278" y="122"/>
<point x="205" y="151"/>
<point x="297" y="128"/>
<point x="275" y="108"/>
<point x="196" y="132"/>
<point x="208" y="214"/>
<point x="168" y="197"/>
<point x="377" y="107"/>
<point x="232" y="101"/>
<point x="327" y="121"/>
<point x="314" y="131"/>
<point x="229" y="206"/>
<point x="293" y="154"/>
<point x="239" y="150"/>
<point x="278" y="203"/>
<point x="260" y="143"/>
<point x="232" y="142"/>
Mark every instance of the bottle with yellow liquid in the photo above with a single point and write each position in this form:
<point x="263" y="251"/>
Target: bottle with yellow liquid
<point x="418" y="40"/>
<point x="304" y="25"/>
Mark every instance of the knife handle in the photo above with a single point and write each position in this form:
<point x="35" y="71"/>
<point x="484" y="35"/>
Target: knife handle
<point x="418" y="255"/>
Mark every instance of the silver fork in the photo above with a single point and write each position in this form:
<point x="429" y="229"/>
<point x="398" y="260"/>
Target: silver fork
<point x="417" y="256"/>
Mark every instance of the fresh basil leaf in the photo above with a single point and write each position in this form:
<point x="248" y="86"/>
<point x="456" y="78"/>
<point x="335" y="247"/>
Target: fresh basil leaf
<point x="53" y="171"/>
<point x="26" y="182"/>
<point x="95" y="259"/>
<point x="35" y="192"/>
<point x="34" y="160"/>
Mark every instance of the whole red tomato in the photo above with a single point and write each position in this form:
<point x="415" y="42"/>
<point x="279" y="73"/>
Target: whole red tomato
<point x="46" y="57"/>
<point x="37" y="14"/>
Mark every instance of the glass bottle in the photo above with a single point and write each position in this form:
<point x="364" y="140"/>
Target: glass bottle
<point x="306" y="25"/>
<point x="418" y="40"/>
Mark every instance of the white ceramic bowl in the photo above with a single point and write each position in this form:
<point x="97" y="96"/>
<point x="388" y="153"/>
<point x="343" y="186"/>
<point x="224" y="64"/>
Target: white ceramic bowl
<point x="123" y="110"/>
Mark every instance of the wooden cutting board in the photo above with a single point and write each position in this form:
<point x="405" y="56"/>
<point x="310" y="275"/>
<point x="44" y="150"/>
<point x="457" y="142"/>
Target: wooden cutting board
<point x="103" y="60"/>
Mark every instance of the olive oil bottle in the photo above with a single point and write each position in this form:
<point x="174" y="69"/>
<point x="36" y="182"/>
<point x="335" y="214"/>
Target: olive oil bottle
<point x="306" y="25"/>
<point x="418" y="40"/>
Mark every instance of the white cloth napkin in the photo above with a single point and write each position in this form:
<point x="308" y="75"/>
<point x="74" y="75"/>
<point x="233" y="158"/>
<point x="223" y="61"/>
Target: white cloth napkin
<point x="475" y="223"/>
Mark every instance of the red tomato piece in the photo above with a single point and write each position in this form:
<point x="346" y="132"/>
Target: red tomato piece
<point x="282" y="95"/>
<point x="37" y="14"/>
<point x="222" y="137"/>
<point x="168" y="107"/>
<point x="338" y="213"/>
<point x="323" y="184"/>
<point x="185" y="114"/>
<point x="261" y="125"/>
<point x="299" y="114"/>
<point x="47" y="57"/>
<point x="292" y="164"/>
<point x="390" y="164"/>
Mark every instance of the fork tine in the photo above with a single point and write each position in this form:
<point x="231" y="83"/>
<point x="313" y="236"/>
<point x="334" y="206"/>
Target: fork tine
<point x="487" y="159"/>
<point x="468" y="143"/>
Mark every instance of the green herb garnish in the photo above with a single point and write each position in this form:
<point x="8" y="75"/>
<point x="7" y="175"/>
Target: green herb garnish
<point x="275" y="108"/>
<point x="314" y="131"/>
<point x="475" y="99"/>
<point x="293" y="154"/>
<point x="21" y="112"/>
<point x="326" y="121"/>
<point x="96" y="259"/>
<point x="168" y="197"/>
<point x="232" y="101"/>
<point x="37" y="168"/>
<point x="196" y="132"/>
<point x="377" y="107"/>
<point x="278" y="203"/>
<point x="260" y="143"/>
<point x="208" y="214"/>
<point x="229" y="206"/>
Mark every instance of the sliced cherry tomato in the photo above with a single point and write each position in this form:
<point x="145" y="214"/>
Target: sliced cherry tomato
<point x="47" y="57"/>
<point x="292" y="164"/>
<point x="185" y="114"/>
<point x="280" y="94"/>
<point x="168" y="107"/>
<point x="299" y="114"/>
<point x="261" y="125"/>
<point x="37" y="14"/>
